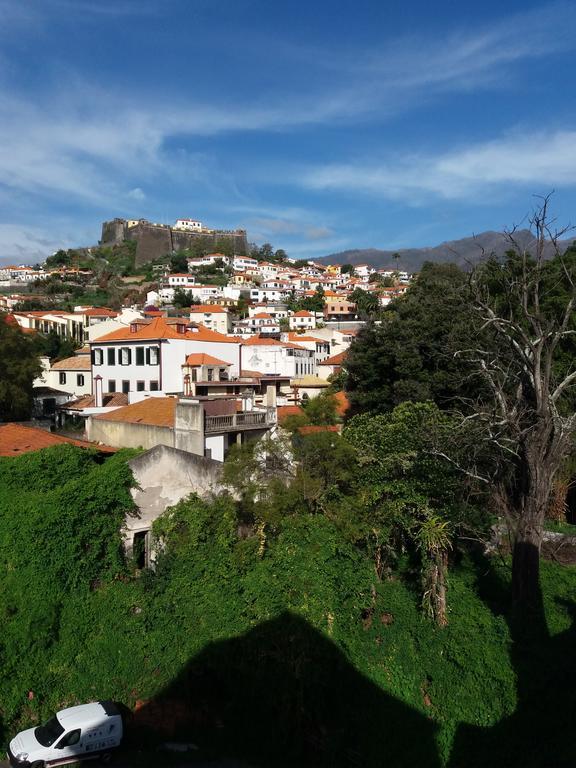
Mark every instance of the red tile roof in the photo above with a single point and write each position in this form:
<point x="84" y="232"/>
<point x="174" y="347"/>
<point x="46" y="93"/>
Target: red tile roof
<point x="76" y="363"/>
<point x="310" y="429"/>
<point x="208" y="308"/>
<point x="335" y="359"/>
<point x="16" y="439"/>
<point x="155" y="411"/>
<point x="159" y="328"/>
<point x="302" y="313"/>
<point x="342" y="403"/>
<point x="98" y="312"/>
<point x="284" y="411"/>
<point x="260" y="341"/>
<point x="110" y="400"/>
<point x="201" y="358"/>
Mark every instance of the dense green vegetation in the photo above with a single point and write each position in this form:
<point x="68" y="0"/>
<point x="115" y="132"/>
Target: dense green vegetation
<point x="286" y="628"/>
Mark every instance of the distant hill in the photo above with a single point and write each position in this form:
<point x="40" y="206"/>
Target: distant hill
<point x="461" y="252"/>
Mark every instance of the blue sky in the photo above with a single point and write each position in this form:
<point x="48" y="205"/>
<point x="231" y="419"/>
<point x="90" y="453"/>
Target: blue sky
<point x="317" y="126"/>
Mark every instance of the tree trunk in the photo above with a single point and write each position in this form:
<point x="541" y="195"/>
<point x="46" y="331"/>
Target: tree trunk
<point x="526" y="593"/>
<point x="434" y="597"/>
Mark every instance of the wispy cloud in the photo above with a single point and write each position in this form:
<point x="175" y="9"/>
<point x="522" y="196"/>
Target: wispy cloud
<point x="73" y="140"/>
<point x="537" y="161"/>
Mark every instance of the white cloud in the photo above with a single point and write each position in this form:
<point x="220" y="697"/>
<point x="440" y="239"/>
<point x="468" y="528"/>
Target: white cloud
<point x="77" y="139"/>
<point x="136" y="194"/>
<point x="539" y="161"/>
<point x="26" y="244"/>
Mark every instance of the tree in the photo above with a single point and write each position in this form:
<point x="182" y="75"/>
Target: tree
<point x="182" y="298"/>
<point x="178" y="262"/>
<point x="19" y="368"/>
<point x="347" y="269"/>
<point x="367" y="303"/>
<point x="410" y="355"/>
<point x="407" y="496"/>
<point x="524" y="356"/>
<point x="321" y="410"/>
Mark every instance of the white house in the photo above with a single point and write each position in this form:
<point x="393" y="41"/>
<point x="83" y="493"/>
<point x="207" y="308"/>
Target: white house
<point x="182" y="280"/>
<point x="148" y="356"/>
<point x="302" y="321"/>
<point x="260" y="322"/>
<point x="260" y="294"/>
<point x="72" y="375"/>
<point x="188" y="225"/>
<point x="320" y="347"/>
<point x="276" y="311"/>
<point x="281" y="358"/>
<point x="211" y="316"/>
<point x="242" y="263"/>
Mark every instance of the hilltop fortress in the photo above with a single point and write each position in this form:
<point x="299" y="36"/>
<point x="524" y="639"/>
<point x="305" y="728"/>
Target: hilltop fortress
<point x="156" y="240"/>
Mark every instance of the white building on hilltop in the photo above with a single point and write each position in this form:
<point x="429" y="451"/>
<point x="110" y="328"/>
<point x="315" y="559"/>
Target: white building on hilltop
<point x="189" y="225"/>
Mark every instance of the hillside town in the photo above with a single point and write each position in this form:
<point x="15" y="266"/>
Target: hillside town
<point x="225" y="369"/>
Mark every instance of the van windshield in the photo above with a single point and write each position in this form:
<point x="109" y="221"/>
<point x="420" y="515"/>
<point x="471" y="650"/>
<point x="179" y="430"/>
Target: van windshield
<point x="48" y="733"/>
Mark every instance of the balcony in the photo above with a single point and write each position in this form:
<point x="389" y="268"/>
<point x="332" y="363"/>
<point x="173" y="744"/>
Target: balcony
<point x="236" y="422"/>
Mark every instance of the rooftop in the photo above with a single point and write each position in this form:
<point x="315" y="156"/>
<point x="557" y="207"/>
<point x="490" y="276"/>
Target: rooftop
<point x="159" y="328"/>
<point x="201" y="358"/>
<point x="16" y="439"/>
<point x="76" y="363"/>
<point x="335" y="359"/>
<point x="155" y="411"/>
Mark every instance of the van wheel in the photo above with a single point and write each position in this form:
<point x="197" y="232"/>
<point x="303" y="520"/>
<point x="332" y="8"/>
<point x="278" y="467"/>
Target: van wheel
<point x="106" y="758"/>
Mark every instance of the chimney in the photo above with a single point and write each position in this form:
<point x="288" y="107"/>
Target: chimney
<point x="98" y="394"/>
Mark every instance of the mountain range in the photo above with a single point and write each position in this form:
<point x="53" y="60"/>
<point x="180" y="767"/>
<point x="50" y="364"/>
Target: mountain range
<point x="461" y="252"/>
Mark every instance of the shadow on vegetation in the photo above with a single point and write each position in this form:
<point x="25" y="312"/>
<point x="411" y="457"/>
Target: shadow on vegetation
<point x="285" y="695"/>
<point x="540" y="733"/>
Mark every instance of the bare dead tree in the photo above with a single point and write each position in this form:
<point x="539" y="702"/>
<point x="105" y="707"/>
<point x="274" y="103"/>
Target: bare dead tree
<point x="525" y="308"/>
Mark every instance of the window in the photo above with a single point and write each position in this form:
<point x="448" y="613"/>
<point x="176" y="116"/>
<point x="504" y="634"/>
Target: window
<point x="210" y="374"/>
<point x="153" y="386"/>
<point x="139" y="355"/>
<point x="111" y="356"/>
<point x="125" y="356"/>
<point x="80" y="379"/>
<point x="152" y="355"/>
<point x="125" y="387"/>
<point x="69" y="740"/>
<point x="194" y="374"/>
<point x="97" y="356"/>
<point x="111" y="385"/>
<point x="62" y="377"/>
<point x="140" y="386"/>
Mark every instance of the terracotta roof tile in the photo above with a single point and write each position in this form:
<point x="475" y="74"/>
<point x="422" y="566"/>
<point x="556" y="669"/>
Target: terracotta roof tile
<point x="76" y="363"/>
<point x="159" y="328"/>
<point x="342" y="403"/>
<point x="110" y="400"/>
<point x="335" y="359"/>
<point x="310" y="429"/>
<point x="208" y="308"/>
<point x="201" y="358"/>
<point x="155" y="411"/>
<point x="16" y="439"/>
<point x="284" y="411"/>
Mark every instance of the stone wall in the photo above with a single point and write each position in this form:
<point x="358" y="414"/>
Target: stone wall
<point x="119" y="433"/>
<point x="154" y="241"/>
<point x="164" y="476"/>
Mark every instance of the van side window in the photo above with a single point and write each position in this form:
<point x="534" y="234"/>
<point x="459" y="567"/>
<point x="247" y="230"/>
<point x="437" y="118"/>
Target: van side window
<point x="69" y="739"/>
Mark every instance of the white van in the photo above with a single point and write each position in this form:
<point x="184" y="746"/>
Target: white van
<point x="77" y="733"/>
